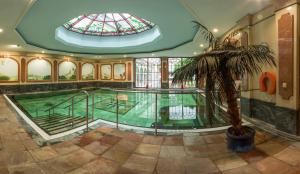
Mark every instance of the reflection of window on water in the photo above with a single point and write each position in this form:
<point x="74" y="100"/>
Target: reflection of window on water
<point x="148" y="73"/>
<point x="182" y="113"/>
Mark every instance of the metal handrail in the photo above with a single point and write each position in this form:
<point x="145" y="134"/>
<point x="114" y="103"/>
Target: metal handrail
<point x="83" y="91"/>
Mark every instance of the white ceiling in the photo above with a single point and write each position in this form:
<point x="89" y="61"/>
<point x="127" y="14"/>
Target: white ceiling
<point x="221" y="14"/>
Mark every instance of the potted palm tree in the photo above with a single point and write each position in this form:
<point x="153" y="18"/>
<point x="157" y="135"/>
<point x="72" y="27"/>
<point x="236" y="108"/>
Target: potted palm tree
<point x="224" y="61"/>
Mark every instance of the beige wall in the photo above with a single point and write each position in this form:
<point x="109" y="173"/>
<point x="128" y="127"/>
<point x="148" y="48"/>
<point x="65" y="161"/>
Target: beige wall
<point x="51" y="58"/>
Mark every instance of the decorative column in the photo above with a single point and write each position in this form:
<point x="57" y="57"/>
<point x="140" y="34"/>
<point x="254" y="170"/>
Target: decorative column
<point x="164" y="73"/>
<point x="23" y="70"/>
<point x="55" y="70"/>
<point x="286" y="55"/>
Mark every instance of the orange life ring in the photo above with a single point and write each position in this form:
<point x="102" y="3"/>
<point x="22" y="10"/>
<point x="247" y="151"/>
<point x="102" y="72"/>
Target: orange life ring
<point x="271" y="77"/>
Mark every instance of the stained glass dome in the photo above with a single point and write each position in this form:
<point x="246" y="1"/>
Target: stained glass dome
<point x="108" y="24"/>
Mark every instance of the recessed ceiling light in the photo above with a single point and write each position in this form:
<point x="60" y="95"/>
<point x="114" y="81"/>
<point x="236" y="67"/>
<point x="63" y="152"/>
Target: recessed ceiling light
<point x="14" y="46"/>
<point x="1" y="30"/>
<point x="43" y="52"/>
<point x="125" y="56"/>
<point x="194" y="52"/>
<point x="72" y="55"/>
<point x="201" y="45"/>
<point x="215" y="30"/>
<point x="152" y="54"/>
<point x="289" y="8"/>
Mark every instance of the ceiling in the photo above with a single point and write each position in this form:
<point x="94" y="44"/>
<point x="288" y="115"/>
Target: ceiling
<point x="31" y="24"/>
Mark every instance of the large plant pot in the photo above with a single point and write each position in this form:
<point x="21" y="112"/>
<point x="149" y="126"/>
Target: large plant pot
<point x="243" y="143"/>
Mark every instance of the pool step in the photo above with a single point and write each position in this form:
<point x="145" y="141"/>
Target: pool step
<point x="58" y="123"/>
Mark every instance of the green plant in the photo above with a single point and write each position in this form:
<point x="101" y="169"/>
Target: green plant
<point x="224" y="61"/>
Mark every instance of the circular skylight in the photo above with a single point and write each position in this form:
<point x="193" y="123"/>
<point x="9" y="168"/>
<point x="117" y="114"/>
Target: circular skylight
<point x="108" y="24"/>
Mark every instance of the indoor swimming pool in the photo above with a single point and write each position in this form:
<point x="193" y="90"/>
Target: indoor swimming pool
<point x="57" y="112"/>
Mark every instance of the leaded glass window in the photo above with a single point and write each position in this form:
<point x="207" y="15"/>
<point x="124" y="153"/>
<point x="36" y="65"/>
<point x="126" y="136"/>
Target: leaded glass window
<point x="108" y="24"/>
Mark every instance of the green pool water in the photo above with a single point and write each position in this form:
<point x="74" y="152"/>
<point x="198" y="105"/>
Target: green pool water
<point x="173" y="110"/>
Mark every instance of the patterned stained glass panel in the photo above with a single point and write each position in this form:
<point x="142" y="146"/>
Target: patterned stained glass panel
<point x="108" y="24"/>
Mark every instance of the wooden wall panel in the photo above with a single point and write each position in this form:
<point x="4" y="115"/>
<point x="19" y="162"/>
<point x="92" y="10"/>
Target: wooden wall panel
<point x="286" y="55"/>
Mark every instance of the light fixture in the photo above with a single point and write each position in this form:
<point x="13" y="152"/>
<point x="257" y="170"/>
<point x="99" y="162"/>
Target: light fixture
<point x="201" y="45"/>
<point x="14" y="46"/>
<point x="125" y="55"/>
<point x="215" y="30"/>
<point x="152" y="54"/>
<point x="43" y="51"/>
<point x="1" y="30"/>
<point x="194" y="52"/>
<point x="72" y="55"/>
<point x="289" y="8"/>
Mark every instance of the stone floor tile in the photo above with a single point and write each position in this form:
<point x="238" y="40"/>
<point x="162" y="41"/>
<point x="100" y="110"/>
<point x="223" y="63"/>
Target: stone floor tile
<point x="169" y="165"/>
<point x="116" y="155"/>
<point x="156" y="140"/>
<point x="30" y="144"/>
<point x="230" y="161"/>
<point x="216" y="138"/>
<point x="27" y="169"/>
<point x="18" y="158"/>
<point x="124" y="170"/>
<point x="65" y="147"/>
<point x="79" y="171"/>
<point x="58" y="165"/>
<point x="96" y="148"/>
<point x="199" y="166"/>
<point x="289" y="155"/>
<point x="42" y="154"/>
<point x="141" y="163"/>
<point x="271" y="147"/>
<point x="148" y="150"/>
<point x="80" y="157"/>
<point x="109" y="140"/>
<point x="104" y="130"/>
<point x="198" y="151"/>
<point x="219" y="147"/>
<point x="134" y="137"/>
<point x="272" y="166"/>
<point x="193" y="140"/>
<point x="172" y="152"/>
<point x="126" y="146"/>
<point x="253" y="156"/>
<point x="242" y="170"/>
<point x="4" y="170"/>
<point x="118" y="133"/>
<point x="173" y="141"/>
<point x="101" y="166"/>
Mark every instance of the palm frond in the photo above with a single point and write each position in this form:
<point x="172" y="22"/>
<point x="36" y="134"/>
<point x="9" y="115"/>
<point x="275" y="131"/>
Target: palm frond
<point x="207" y="35"/>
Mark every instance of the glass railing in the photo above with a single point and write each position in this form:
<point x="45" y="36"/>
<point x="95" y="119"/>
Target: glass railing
<point x="140" y="108"/>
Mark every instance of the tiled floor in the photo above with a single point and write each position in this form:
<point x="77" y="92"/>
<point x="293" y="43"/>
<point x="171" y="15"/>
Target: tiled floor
<point x="106" y="150"/>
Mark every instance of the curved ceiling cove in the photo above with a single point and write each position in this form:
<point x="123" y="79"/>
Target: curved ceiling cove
<point x="117" y="27"/>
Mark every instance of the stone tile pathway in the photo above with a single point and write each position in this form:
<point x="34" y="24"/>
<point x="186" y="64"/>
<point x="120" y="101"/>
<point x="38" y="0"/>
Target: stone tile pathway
<point x="107" y="150"/>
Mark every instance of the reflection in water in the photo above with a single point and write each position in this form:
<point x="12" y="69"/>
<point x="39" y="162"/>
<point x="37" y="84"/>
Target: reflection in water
<point x="179" y="112"/>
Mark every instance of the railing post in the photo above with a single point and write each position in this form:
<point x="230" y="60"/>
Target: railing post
<point x="156" y="114"/>
<point x="87" y="113"/>
<point x="93" y="105"/>
<point x="117" y="111"/>
<point x="72" y="111"/>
